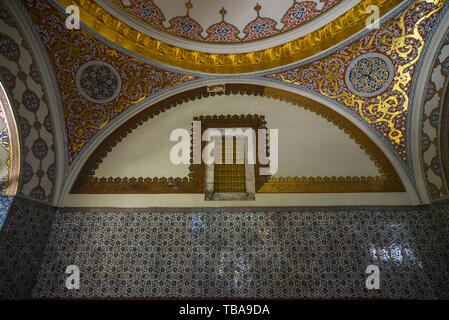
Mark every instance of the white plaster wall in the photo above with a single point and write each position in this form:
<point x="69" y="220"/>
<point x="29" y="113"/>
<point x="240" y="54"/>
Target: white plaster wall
<point x="308" y="144"/>
<point x="262" y="199"/>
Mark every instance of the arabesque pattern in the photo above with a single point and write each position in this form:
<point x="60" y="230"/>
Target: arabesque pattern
<point x="402" y="40"/>
<point x="260" y="27"/>
<point x="432" y="117"/>
<point x="71" y="49"/>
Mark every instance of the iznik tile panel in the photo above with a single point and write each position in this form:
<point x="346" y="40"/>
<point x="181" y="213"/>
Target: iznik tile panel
<point x="312" y="253"/>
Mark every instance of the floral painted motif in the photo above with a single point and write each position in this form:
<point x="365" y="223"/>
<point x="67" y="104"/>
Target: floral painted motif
<point x="22" y="82"/>
<point x="9" y="48"/>
<point x="186" y="27"/>
<point x="370" y="74"/>
<point x="146" y="10"/>
<point x="91" y="96"/>
<point x="223" y="32"/>
<point x="298" y="14"/>
<point x="303" y="12"/>
<point x="260" y="28"/>
<point x="30" y="101"/>
<point x="98" y="81"/>
<point x="39" y="148"/>
<point x="431" y="142"/>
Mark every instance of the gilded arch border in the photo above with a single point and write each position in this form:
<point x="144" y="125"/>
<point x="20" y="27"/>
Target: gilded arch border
<point x="387" y="181"/>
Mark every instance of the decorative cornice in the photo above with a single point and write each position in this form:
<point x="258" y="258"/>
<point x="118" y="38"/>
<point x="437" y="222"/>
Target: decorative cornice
<point x="348" y="24"/>
<point x="388" y="181"/>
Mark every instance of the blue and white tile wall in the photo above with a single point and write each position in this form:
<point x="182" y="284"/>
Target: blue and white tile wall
<point x="22" y="245"/>
<point x="274" y="253"/>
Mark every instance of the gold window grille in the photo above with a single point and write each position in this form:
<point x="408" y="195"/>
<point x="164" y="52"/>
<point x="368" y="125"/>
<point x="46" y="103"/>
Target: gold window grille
<point x="229" y="175"/>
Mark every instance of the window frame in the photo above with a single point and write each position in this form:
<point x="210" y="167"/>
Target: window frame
<point x="250" y="180"/>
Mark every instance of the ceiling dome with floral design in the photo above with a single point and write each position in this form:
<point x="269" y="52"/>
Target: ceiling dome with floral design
<point x="226" y="22"/>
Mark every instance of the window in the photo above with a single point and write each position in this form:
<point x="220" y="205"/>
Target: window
<point x="230" y="177"/>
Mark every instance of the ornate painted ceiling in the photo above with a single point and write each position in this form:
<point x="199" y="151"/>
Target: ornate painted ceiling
<point x="198" y="56"/>
<point x="130" y="56"/>
<point x="225" y="22"/>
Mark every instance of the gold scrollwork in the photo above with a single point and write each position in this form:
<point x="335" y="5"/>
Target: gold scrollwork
<point x="346" y="25"/>
<point x="387" y="181"/>
<point x="69" y="53"/>
<point x="404" y="42"/>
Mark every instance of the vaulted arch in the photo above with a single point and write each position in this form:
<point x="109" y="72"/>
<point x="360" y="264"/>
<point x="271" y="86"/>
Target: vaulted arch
<point x="88" y="182"/>
<point x="429" y="118"/>
<point x="31" y="95"/>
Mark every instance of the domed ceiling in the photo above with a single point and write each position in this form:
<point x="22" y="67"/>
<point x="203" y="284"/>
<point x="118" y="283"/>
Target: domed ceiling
<point x="228" y="37"/>
<point x="225" y="22"/>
